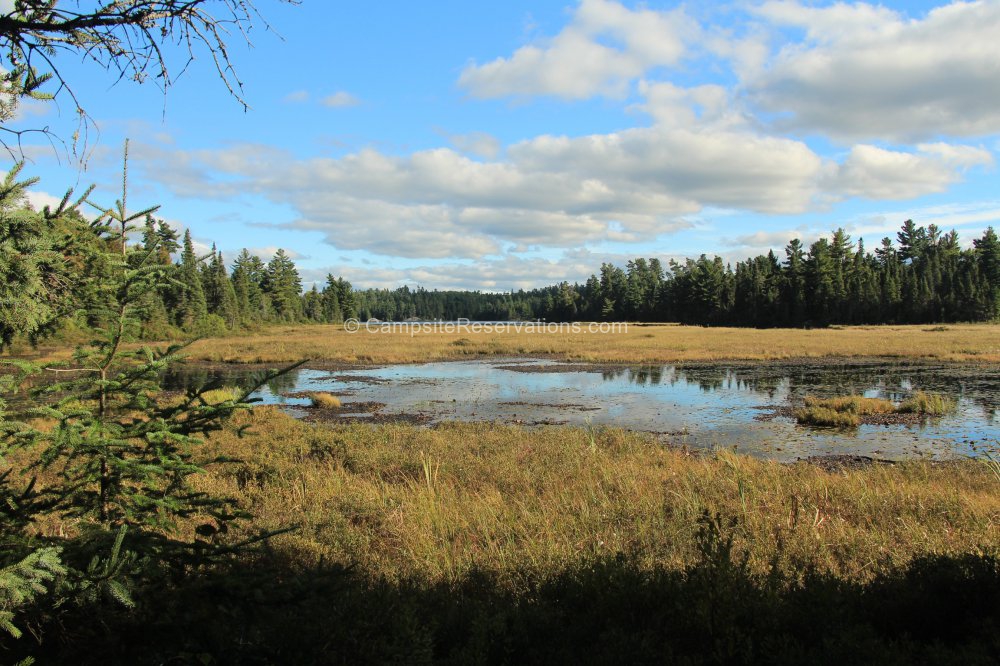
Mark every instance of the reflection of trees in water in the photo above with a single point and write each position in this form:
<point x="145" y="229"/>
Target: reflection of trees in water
<point x="981" y="386"/>
<point x="284" y="383"/>
<point x="192" y="377"/>
<point x="645" y="376"/>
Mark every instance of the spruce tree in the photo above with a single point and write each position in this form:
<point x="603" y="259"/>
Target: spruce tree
<point x="284" y="287"/>
<point x="193" y="308"/>
<point x="118" y="454"/>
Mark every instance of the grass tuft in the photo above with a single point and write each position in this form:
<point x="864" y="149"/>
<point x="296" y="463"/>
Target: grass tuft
<point x="853" y="404"/>
<point x="932" y="404"/>
<point x="324" y="401"/>
<point x="220" y="395"/>
<point x="827" y="417"/>
<point x="848" y="411"/>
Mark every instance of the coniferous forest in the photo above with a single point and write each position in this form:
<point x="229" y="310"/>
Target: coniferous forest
<point x="921" y="276"/>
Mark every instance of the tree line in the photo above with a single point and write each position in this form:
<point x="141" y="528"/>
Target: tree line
<point x="922" y="276"/>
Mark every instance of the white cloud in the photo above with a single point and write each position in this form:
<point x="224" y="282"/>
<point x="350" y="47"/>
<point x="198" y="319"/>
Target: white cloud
<point x="340" y="100"/>
<point x="868" y="73"/>
<point x="605" y="46"/>
<point x="500" y="274"/>
<point x="556" y="191"/>
<point x="876" y="173"/>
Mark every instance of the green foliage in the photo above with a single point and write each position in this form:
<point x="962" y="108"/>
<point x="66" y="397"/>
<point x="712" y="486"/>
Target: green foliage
<point x="38" y="284"/>
<point x="23" y="581"/>
<point x="117" y="454"/>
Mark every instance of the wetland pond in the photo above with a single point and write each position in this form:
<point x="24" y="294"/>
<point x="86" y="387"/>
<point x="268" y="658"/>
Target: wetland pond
<point x="742" y="406"/>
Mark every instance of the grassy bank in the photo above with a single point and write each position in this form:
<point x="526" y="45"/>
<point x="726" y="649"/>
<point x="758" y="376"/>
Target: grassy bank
<point x="640" y="344"/>
<point x="489" y="543"/>
<point x="400" y="500"/>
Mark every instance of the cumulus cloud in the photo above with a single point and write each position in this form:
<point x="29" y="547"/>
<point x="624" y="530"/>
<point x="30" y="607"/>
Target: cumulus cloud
<point x="556" y="191"/>
<point x="864" y="73"/>
<point x="605" y="46"/>
<point x="877" y="173"/>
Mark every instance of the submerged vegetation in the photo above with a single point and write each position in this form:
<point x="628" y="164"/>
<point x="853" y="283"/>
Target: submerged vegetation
<point x="849" y="411"/>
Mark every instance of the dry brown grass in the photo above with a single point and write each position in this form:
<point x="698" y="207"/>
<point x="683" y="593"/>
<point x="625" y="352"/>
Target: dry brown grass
<point x="324" y="400"/>
<point x="401" y="500"/>
<point x="641" y="344"/>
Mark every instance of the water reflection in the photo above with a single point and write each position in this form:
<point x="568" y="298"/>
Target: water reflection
<point x="697" y="404"/>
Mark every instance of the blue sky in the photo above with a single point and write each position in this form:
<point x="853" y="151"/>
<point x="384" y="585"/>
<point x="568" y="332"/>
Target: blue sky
<point x="504" y="145"/>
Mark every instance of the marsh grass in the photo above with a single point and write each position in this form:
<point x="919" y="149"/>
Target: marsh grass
<point x="491" y="543"/>
<point x="931" y="404"/>
<point x="220" y="395"/>
<point x="324" y="401"/>
<point x="399" y="501"/>
<point x="827" y="417"/>
<point x="640" y="344"/>
<point x="849" y="411"/>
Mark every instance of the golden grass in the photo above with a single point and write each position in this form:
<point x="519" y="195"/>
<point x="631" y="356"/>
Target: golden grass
<point x="219" y="395"/>
<point x="400" y="501"/>
<point x="855" y="404"/>
<point x="828" y="417"/>
<point x="640" y="344"/>
<point x="847" y="411"/>
<point x="933" y="404"/>
<point x="324" y="400"/>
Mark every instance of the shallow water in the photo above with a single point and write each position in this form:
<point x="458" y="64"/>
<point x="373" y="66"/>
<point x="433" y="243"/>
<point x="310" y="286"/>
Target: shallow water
<point x="701" y="406"/>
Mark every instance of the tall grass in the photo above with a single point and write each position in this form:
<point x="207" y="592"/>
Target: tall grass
<point x="399" y="501"/>
<point x="489" y="543"/>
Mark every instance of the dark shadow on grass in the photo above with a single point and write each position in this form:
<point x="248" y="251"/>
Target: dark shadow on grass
<point x="937" y="610"/>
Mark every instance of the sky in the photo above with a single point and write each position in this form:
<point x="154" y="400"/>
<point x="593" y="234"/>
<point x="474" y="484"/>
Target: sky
<point x="500" y="146"/>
